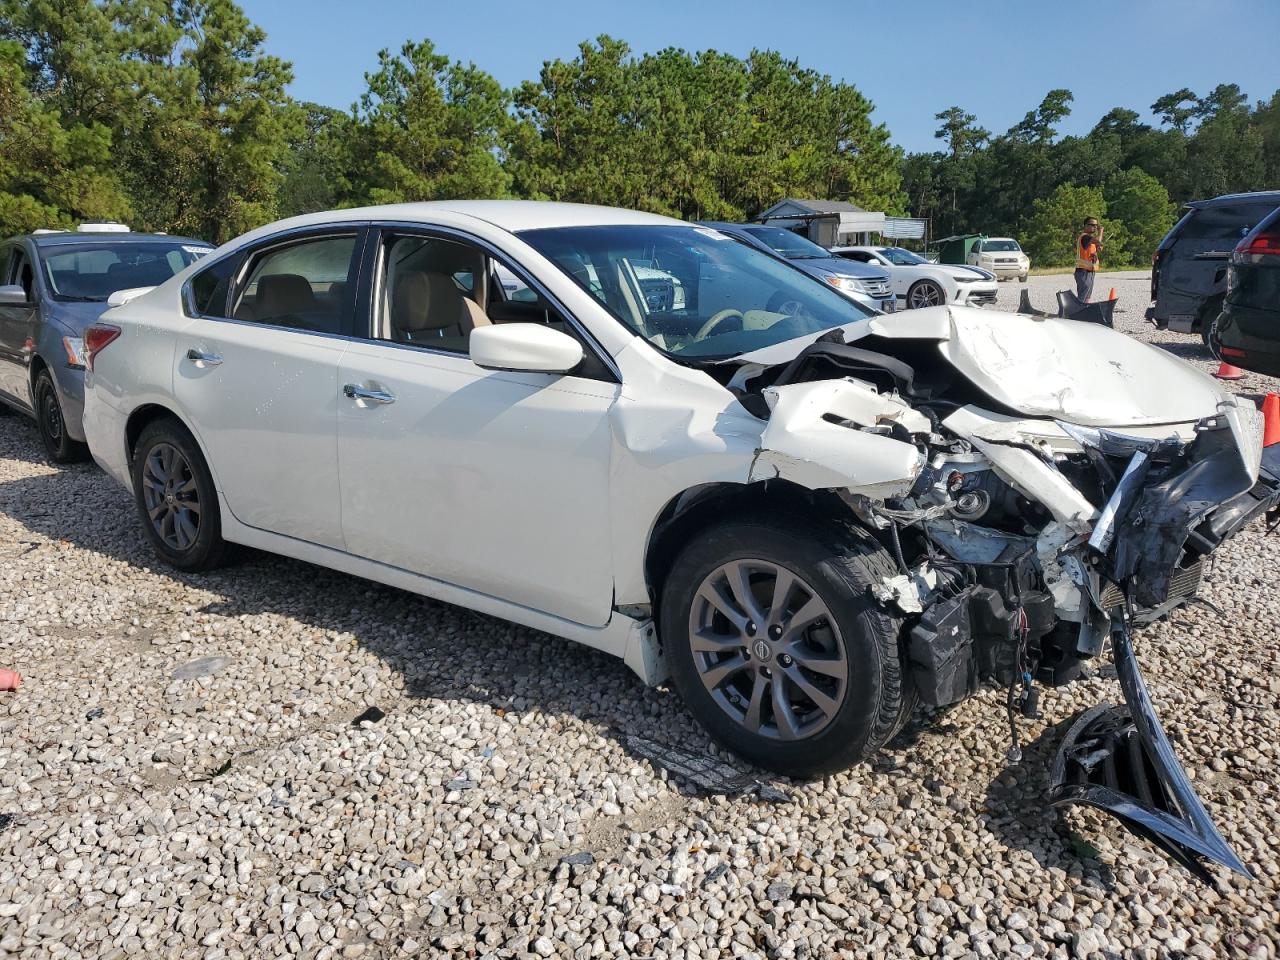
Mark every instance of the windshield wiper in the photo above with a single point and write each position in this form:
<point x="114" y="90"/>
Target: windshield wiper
<point x="78" y="299"/>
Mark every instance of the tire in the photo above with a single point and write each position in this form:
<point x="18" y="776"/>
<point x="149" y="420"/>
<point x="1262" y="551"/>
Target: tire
<point x="1208" y="320"/>
<point x="865" y="693"/>
<point x="925" y="293"/>
<point x="53" y="430"/>
<point x="177" y="501"/>
<point x="1022" y="278"/>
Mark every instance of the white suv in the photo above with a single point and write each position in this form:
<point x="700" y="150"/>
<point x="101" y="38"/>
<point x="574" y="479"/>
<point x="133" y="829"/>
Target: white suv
<point x="1002" y="256"/>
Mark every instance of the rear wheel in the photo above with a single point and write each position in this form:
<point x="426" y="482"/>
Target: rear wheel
<point x="1208" y="321"/>
<point x="53" y="429"/>
<point x="925" y="293"/>
<point x="176" y="497"/>
<point x="777" y="646"/>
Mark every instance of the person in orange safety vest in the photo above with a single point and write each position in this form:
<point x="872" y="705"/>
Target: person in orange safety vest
<point x="1088" y="247"/>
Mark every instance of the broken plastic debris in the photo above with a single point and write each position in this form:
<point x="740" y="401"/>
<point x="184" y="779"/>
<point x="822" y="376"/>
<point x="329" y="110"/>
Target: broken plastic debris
<point x="373" y="715"/>
<point x="581" y="859"/>
<point x="704" y="773"/>
<point x="200" y="667"/>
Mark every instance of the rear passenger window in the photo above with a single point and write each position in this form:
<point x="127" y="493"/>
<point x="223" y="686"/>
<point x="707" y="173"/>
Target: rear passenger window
<point x="302" y="286"/>
<point x="207" y="292"/>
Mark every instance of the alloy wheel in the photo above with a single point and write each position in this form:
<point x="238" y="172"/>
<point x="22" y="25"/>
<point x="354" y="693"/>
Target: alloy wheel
<point x="925" y="295"/>
<point x="171" y="496"/>
<point x="768" y="649"/>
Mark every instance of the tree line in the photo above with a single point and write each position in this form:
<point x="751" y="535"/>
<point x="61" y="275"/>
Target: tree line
<point x="172" y="115"/>
<point x="1039" y="187"/>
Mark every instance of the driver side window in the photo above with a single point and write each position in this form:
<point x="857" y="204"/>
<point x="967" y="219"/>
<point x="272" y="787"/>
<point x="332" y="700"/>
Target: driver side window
<point x="301" y="286"/>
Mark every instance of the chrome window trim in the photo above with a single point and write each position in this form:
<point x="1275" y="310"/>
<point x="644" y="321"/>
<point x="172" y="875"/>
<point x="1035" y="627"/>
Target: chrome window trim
<point x="453" y="233"/>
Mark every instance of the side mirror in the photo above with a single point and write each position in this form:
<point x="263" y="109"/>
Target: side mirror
<point x="529" y="347"/>
<point x="13" y="294"/>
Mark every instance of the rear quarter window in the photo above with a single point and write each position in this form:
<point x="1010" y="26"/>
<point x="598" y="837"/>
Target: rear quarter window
<point x="207" y="290"/>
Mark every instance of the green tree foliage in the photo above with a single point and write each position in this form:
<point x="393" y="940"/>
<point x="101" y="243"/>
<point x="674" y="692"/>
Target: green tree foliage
<point x="169" y="111"/>
<point x="700" y="135"/>
<point x="206" y="158"/>
<point x="428" y="129"/>
<point x="1012" y="183"/>
<point x="52" y="173"/>
<point x="1140" y="203"/>
<point x="1056" y="220"/>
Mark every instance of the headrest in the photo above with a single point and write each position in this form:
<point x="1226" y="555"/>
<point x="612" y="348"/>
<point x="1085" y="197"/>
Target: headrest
<point x="284" y="293"/>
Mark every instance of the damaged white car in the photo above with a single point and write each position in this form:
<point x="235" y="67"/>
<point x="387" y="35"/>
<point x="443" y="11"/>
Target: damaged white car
<point x="807" y="516"/>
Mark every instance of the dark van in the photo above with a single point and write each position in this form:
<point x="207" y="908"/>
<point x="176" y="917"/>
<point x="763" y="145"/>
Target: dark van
<point x="1189" y="269"/>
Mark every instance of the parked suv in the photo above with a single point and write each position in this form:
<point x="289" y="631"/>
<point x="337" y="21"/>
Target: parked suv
<point x="1247" y="332"/>
<point x="1000" y="255"/>
<point x="1189" y="268"/>
<point x="53" y="284"/>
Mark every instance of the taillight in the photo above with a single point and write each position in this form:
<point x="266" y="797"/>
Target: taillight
<point x="96" y="338"/>
<point x="1262" y="244"/>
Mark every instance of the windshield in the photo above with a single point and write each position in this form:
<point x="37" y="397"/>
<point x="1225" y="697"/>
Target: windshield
<point x="1001" y="246"/>
<point x="900" y="257"/>
<point x="790" y="245"/>
<point x="693" y="291"/>
<point x="94" y="271"/>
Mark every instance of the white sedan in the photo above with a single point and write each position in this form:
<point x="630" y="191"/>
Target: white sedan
<point x="919" y="283"/>
<point x="806" y="515"/>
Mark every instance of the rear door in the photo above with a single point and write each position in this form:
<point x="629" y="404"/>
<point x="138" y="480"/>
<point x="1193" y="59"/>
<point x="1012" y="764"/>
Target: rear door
<point x="257" y="369"/>
<point x="17" y="324"/>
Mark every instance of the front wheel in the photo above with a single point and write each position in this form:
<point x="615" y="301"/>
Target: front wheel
<point x="176" y="497"/>
<point x="53" y="428"/>
<point x="778" y="647"/>
<point x="925" y="293"/>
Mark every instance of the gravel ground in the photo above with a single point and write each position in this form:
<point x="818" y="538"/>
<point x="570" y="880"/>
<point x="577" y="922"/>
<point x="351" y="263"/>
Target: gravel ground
<point x="181" y="776"/>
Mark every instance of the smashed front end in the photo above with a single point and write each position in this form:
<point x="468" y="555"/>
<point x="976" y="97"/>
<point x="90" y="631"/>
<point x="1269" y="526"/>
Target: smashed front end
<point x="1027" y="546"/>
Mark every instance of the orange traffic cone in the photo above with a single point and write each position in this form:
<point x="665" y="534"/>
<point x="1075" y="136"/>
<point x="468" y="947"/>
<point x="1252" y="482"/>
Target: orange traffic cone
<point x="1270" y="419"/>
<point x="1112" y="296"/>
<point x="10" y="680"/>
<point x="1228" y="372"/>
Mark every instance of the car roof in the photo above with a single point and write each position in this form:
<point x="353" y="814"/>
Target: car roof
<point x="74" y="236"/>
<point x="511" y="215"/>
<point x="1261" y="196"/>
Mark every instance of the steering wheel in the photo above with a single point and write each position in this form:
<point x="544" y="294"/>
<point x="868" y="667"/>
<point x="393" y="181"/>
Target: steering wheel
<point x="727" y="314"/>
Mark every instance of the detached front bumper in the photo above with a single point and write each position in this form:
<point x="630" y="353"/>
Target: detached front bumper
<point x="1118" y="758"/>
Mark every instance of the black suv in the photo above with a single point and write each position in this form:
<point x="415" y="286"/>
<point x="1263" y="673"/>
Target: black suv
<point x="1247" y="332"/>
<point x="1189" y="269"/>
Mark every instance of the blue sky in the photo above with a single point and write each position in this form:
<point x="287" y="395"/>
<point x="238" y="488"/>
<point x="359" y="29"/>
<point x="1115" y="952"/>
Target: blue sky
<point x="911" y="58"/>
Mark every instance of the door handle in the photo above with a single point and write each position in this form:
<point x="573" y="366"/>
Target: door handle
<point x="204" y="357"/>
<point x="354" y="391"/>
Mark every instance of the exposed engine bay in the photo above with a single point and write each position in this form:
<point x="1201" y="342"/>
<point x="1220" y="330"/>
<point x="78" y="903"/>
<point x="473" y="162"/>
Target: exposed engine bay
<point x="1032" y="527"/>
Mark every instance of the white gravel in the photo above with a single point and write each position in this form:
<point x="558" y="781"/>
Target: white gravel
<point x="180" y="776"/>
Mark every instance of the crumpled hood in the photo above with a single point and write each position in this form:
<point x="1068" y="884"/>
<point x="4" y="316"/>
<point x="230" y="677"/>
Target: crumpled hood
<point x="1081" y="373"/>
